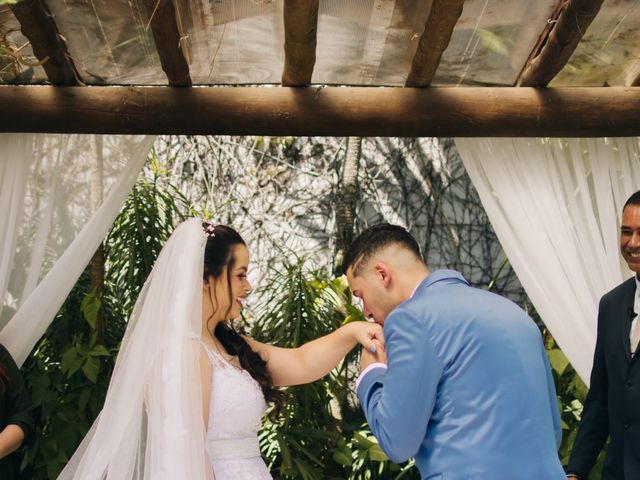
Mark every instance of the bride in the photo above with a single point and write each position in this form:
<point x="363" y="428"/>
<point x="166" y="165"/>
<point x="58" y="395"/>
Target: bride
<point x="188" y="392"/>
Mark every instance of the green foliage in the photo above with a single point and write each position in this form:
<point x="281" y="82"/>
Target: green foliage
<point x="68" y="372"/>
<point x="571" y="392"/>
<point x="297" y="310"/>
<point x="323" y="434"/>
<point x="145" y="222"/>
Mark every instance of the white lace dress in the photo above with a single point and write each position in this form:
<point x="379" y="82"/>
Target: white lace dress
<point x="235" y="412"/>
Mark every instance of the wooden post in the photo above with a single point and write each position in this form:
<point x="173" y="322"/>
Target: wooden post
<point x="37" y="24"/>
<point x="97" y="261"/>
<point x="162" y="18"/>
<point x="434" y="40"/>
<point x="553" y="50"/>
<point x="347" y="196"/>
<point x="300" y="28"/>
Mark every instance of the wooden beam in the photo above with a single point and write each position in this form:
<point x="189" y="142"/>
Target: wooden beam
<point x="437" y="33"/>
<point x="553" y="50"/>
<point x="162" y="18"/>
<point x="329" y="111"/>
<point x="38" y="25"/>
<point x="300" y="29"/>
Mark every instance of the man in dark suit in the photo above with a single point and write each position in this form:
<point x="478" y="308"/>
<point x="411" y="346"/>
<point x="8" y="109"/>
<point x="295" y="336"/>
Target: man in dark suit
<point x="612" y="408"/>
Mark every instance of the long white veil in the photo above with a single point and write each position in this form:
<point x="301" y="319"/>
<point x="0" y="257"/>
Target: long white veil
<point x="151" y="425"/>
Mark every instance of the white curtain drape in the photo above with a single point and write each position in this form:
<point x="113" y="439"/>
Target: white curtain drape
<point x="54" y="216"/>
<point x="555" y="205"/>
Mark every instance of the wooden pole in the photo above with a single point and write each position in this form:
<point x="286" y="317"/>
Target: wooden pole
<point x="437" y="33"/>
<point x="38" y="25"/>
<point x="96" y="189"/>
<point x="553" y="50"/>
<point x="300" y="29"/>
<point x="162" y="18"/>
<point x="329" y="111"/>
<point x="347" y="197"/>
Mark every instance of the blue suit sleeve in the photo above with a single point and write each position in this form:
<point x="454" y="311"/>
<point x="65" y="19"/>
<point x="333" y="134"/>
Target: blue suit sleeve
<point x="398" y="402"/>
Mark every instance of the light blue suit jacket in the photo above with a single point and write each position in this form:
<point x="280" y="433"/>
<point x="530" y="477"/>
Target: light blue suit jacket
<point x="468" y="391"/>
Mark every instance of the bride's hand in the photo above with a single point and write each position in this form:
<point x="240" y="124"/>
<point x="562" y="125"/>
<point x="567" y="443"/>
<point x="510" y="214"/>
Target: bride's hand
<point x="366" y="332"/>
<point x="367" y="358"/>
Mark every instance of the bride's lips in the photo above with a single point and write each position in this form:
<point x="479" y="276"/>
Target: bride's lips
<point x="240" y="301"/>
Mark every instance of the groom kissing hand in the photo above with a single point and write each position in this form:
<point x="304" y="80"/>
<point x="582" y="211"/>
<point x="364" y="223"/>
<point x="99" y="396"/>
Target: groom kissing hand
<point x="370" y="357"/>
<point x="467" y="389"/>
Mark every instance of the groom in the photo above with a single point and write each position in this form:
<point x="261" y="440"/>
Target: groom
<point x="467" y="390"/>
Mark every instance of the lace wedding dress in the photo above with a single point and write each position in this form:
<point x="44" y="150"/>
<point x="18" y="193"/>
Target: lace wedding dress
<point x="235" y="413"/>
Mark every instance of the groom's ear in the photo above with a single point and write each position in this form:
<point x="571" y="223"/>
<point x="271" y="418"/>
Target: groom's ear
<point x="383" y="273"/>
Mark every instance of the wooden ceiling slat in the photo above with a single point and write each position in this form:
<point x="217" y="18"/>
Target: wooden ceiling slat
<point x="557" y="43"/>
<point x="329" y="111"/>
<point x="434" y="40"/>
<point x="167" y="38"/>
<point x="38" y="25"/>
<point x="300" y="35"/>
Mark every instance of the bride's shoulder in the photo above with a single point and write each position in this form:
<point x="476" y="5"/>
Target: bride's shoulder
<point x="260" y="348"/>
<point x="208" y="353"/>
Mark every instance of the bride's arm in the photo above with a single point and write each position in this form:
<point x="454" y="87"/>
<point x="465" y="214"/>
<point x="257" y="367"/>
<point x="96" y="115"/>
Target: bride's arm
<point x="313" y="360"/>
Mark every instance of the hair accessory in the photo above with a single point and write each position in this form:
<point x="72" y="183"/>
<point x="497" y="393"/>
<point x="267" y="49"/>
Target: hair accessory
<point x="209" y="229"/>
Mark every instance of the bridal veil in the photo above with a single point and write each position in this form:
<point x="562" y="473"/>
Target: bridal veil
<point x="151" y="425"/>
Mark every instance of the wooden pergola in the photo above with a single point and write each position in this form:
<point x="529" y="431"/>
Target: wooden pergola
<point x="297" y="107"/>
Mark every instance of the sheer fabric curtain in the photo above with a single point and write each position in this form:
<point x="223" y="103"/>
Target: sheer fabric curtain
<point x="555" y="205"/>
<point x="59" y="195"/>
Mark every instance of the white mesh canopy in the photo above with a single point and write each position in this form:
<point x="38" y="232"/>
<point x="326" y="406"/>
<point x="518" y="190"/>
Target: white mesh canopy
<point x="59" y="195"/>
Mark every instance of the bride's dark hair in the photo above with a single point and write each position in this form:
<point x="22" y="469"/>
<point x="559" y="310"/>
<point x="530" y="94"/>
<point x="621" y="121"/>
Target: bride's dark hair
<point x="218" y="254"/>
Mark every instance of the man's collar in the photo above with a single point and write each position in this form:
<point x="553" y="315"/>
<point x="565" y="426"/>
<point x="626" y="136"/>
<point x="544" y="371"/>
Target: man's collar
<point x="438" y="276"/>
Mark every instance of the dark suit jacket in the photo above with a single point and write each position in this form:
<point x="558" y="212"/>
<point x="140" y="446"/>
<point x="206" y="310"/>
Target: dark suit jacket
<point x="15" y="409"/>
<point x="612" y="407"/>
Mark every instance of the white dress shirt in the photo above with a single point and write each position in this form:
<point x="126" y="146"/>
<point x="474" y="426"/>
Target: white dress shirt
<point x="634" y="334"/>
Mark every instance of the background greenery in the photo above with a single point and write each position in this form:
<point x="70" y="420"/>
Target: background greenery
<point x="322" y="435"/>
<point x="69" y="369"/>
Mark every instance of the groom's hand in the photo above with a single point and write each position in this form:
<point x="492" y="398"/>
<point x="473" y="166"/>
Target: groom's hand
<point x="367" y="357"/>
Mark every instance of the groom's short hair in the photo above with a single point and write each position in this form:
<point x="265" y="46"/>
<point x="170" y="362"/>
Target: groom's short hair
<point x="374" y="239"/>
